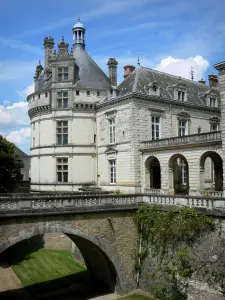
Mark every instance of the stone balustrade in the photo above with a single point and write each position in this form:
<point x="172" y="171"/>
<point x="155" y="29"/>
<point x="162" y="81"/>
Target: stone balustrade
<point x="201" y="138"/>
<point x="60" y="204"/>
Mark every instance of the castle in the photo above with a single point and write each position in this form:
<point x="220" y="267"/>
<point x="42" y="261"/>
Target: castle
<point x="153" y="133"/>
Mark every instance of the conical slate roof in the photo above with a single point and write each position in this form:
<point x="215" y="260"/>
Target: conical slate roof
<point x="87" y="72"/>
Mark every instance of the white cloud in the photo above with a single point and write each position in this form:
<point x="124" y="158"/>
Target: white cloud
<point x="27" y="91"/>
<point x="6" y="102"/>
<point x="19" y="137"/>
<point x="14" y="115"/>
<point x="182" y="67"/>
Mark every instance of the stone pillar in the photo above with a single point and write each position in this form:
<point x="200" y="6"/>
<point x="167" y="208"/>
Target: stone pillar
<point x="221" y="68"/>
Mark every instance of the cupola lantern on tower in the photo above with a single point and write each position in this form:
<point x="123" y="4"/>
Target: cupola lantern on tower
<point x="78" y="33"/>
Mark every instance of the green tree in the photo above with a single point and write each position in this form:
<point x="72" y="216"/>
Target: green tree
<point x="10" y="165"/>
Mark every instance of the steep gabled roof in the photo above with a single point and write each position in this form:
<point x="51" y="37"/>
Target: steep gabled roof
<point x="20" y="152"/>
<point x="140" y="79"/>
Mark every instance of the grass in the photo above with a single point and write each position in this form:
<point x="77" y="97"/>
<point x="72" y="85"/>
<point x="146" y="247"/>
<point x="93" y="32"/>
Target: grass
<point x="44" y="265"/>
<point x="33" y="264"/>
<point x="137" y="297"/>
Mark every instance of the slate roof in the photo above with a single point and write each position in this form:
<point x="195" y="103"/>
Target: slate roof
<point x="20" y="152"/>
<point x="88" y="74"/>
<point x="140" y="79"/>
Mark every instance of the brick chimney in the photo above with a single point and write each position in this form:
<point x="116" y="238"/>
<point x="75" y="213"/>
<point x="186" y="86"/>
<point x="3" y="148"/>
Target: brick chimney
<point x="127" y="70"/>
<point x="213" y="80"/>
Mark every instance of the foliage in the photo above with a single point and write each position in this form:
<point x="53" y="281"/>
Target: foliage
<point x="10" y="165"/>
<point x="117" y="192"/>
<point x="166" y="238"/>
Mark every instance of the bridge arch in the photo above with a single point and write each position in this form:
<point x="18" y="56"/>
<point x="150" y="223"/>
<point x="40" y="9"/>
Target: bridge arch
<point x="94" y="249"/>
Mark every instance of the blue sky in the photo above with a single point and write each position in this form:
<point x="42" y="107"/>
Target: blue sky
<point x="169" y="35"/>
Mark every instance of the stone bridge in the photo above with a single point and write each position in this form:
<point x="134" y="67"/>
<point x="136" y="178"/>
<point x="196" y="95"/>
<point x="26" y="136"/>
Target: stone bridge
<point x="102" y="227"/>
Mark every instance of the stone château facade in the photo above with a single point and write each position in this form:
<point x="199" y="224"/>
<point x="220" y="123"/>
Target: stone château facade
<point x="154" y="132"/>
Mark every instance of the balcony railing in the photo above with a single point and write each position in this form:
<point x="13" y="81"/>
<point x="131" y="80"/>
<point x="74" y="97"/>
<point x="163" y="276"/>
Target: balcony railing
<point x="67" y="204"/>
<point x="202" y="138"/>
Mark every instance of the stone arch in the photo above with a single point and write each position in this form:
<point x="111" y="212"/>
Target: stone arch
<point x="217" y="169"/>
<point x="95" y="251"/>
<point x="178" y="174"/>
<point x="152" y="173"/>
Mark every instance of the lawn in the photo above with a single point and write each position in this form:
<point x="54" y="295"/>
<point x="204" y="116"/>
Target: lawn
<point x="33" y="265"/>
<point x="44" y="265"/>
<point x="137" y="297"/>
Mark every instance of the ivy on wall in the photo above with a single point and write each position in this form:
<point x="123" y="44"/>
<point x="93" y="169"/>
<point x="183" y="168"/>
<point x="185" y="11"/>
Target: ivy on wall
<point x="165" y="242"/>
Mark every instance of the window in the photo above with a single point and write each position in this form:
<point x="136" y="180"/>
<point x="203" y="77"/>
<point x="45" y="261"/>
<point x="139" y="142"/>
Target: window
<point x="183" y="172"/>
<point x="63" y="74"/>
<point x="182" y="127"/>
<point x="154" y="88"/>
<point x="33" y="125"/>
<point x="214" y="126"/>
<point x="155" y="127"/>
<point x="46" y="95"/>
<point x="88" y="93"/>
<point x="62" y="169"/>
<point x="112" y="170"/>
<point x="212" y="102"/>
<point x="33" y="141"/>
<point x="77" y="93"/>
<point x="62" y="132"/>
<point x="112" y="136"/>
<point x="98" y="94"/>
<point x="181" y="95"/>
<point x="39" y="96"/>
<point x="94" y="138"/>
<point x="62" y="99"/>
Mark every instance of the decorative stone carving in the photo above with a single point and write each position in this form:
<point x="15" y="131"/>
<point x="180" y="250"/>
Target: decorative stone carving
<point x="111" y="150"/>
<point x="214" y="120"/>
<point x="183" y="115"/>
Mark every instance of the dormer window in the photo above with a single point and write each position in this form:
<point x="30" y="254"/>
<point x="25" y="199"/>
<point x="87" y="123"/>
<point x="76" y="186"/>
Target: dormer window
<point x="77" y="93"/>
<point x="181" y="96"/>
<point x="214" y="123"/>
<point x="63" y="74"/>
<point x="212" y="102"/>
<point x="88" y="93"/>
<point x="98" y="94"/>
<point x="153" y="89"/>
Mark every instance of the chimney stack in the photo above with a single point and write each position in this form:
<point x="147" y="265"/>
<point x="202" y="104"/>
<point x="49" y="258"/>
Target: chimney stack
<point x="49" y="48"/>
<point x="202" y="81"/>
<point x="128" y="69"/>
<point x="213" y="80"/>
<point x="112" y="70"/>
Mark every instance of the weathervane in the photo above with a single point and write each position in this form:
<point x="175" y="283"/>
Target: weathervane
<point x="138" y="61"/>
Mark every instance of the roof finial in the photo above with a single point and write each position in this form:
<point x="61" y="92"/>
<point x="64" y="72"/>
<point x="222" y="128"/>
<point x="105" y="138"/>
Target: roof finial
<point x="39" y="62"/>
<point x="78" y="19"/>
<point x="138" y="61"/>
<point x="192" y="73"/>
<point x="62" y="38"/>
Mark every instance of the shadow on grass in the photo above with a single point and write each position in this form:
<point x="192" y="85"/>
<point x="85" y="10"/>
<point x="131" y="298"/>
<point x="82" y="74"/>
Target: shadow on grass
<point x="77" y="286"/>
<point x="23" y="250"/>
